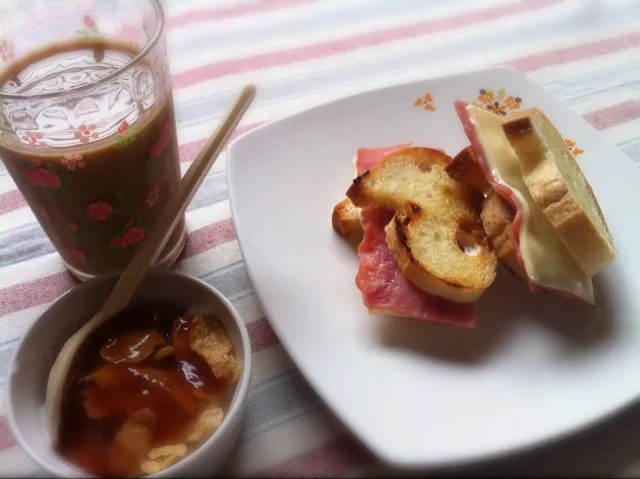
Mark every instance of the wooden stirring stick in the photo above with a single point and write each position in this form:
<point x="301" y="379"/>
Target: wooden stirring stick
<point x="146" y="256"/>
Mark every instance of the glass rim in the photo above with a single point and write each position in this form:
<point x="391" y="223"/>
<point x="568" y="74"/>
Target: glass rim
<point x="111" y="76"/>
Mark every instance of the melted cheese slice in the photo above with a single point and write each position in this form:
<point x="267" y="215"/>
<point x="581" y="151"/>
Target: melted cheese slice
<point x="546" y="259"/>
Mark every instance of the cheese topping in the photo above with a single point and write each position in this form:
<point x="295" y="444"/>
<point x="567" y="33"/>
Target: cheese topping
<point x="546" y="259"/>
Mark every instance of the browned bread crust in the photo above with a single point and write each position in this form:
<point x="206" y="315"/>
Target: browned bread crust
<point x="465" y="169"/>
<point x="346" y="219"/>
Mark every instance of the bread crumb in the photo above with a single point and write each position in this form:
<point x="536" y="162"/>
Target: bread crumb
<point x="209" y="340"/>
<point x="160" y="458"/>
<point x="207" y="423"/>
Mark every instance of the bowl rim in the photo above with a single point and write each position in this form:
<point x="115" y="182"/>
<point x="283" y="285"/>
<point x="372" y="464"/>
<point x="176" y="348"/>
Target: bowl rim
<point x="235" y="407"/>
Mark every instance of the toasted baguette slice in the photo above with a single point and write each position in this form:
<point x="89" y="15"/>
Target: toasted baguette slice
<point x="447" y="258"/>
<point x="559" y="187"/>
<point x="465" y="169"/>
<point x="346" y="218"/>
<point x="435" y="235"/>
<point x="497" y="216"/>
<point x="391" y="182"/>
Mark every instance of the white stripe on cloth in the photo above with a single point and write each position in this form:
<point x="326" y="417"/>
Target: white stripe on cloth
<point x="291" y="100"/>
<point x="303" y="434"/>
<point x="14" y="463"/>
<point x="238" y="42"/>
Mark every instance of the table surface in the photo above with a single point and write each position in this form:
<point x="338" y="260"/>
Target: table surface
<point x="305" y="52"/>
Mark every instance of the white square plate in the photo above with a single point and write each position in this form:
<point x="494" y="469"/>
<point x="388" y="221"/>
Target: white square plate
<point x="537" y="367"/>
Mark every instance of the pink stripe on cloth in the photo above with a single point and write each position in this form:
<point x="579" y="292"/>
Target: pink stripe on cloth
<point x="189" y="151"/>
<point x="331" y="459"/>
<point x="11" y="200"/>
<point x="36" y="292"/>
<point x="261" y="335"/>
<point x="614" y="115"/>
<point x="244" y="9"/>
<point x="355" y="42"/>
<point x="207" y="237"/>
<point x="6" y="438"/>
<point x="46" y="289"/>
<point x="576" y="53"/>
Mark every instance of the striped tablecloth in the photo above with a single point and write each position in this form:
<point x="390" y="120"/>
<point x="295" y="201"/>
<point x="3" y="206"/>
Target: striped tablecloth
<point x="302" y="53"/>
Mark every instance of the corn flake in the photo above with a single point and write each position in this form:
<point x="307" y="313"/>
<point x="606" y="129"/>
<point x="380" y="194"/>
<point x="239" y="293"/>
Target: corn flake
<point x="160" y="458"/>
<point x="207" y="422"/>
<point x="209" y="340"/>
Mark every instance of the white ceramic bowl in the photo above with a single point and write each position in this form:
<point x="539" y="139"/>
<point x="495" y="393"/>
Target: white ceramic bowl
<point x="29" y="368"/>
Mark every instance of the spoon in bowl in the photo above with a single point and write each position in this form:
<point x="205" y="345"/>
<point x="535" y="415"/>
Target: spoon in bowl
<point x="143" y="259"/>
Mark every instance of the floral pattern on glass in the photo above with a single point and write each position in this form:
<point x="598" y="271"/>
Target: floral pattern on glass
<point x="126" y="135"/>
<point x="159" y="147"/>
<point x="89" y="28"/>
<point x="42" y="178"/>
<point x="73" y="161"/>
<point x="131" y="234"/>
<point x="100" y="210"/>
<point x="46" y="176"/>
<point x="85" y="133"/>
<point x="152" y="197"/>
<point x="33" y="139"/>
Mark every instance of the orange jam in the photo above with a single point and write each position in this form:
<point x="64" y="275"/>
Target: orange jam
<point x="148" y="389"/>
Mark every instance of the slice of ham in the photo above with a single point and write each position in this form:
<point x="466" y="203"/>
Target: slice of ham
<point x="367" y="158"/>
<point x="379" y="278"/>
<point x="506" y="193"/>
<point x="383" y="286"/>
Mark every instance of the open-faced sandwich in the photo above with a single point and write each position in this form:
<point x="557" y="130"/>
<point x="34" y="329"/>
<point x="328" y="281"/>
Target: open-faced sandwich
<point x="433" y="227"/>
<point x="423" y="253"/>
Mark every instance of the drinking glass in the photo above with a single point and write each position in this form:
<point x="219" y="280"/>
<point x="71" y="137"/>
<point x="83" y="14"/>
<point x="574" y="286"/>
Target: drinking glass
<point x="87" y="125"/>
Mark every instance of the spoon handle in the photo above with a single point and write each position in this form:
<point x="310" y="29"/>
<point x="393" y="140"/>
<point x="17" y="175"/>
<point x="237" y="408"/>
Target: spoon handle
<point x="152" y="246"/>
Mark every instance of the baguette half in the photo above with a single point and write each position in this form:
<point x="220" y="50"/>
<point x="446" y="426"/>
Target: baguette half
<point x="559" y="187"/>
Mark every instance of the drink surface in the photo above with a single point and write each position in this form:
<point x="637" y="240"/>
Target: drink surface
<point x="96" y="166"/>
